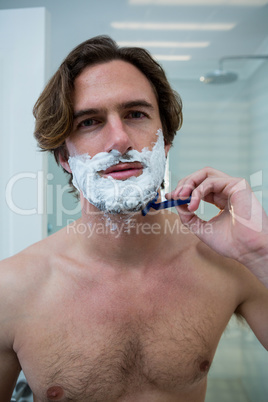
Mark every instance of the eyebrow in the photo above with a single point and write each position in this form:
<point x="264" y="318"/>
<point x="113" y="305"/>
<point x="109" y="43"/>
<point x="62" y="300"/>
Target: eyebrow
<point x="136" y="103"/>
<point x="123" y="105"/>
<point x="84" y="112"/>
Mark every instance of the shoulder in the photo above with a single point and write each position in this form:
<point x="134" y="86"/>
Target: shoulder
<point x="34" y="262"/>
<point x="23" y="264"/>
<point x="214" y="270"/>
<point x="25" y="279"/>
<point x="230" y="279"/>
<point x="16" y="282"/>
<point x="20" y="273"/>
<point x="19" y="281"/>
<point x="24" y="275"/>
<point x="31" y="269"/>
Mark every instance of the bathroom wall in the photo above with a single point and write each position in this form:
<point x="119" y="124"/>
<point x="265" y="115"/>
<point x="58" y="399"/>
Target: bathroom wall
<point x="258" y="112"/>
<point x="215" y="132"/>
<point x="22" y="76"/>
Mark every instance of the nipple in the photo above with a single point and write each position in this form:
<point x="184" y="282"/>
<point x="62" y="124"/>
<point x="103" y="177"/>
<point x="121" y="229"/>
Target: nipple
<point x="204" y="366"/>
<point x="55" y="393"/>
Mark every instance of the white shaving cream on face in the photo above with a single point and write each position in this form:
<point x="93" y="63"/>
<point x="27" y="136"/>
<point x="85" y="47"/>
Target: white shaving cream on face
<point x="120" y="196"/>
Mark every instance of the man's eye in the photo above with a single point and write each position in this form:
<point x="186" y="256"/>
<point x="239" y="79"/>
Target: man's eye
<point x="87" y="123"/>
<point x="90" y="122"/>
<point x="136" y="115"/>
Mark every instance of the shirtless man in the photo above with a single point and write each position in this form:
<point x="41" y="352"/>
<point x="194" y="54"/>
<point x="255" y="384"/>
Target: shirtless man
<point x="136" y="314"/>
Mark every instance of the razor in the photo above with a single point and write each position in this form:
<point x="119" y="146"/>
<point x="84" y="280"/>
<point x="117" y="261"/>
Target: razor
<point x="163" y="205"/>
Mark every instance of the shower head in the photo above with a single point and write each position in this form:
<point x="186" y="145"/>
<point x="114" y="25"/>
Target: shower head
<point x="221" y="76"/>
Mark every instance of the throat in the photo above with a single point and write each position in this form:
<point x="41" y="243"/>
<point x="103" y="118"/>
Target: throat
<point x="130" y="239"/>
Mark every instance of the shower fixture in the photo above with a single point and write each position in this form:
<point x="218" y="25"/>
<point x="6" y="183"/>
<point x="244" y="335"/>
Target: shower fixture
<point x="22" y="392"/>
<point x="222" y="76"/>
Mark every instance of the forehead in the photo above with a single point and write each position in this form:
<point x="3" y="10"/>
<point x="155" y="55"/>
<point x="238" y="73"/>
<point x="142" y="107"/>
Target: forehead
<point x="112" y="80"/>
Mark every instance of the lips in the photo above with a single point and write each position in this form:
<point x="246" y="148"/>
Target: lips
<point x="122" y="171"/>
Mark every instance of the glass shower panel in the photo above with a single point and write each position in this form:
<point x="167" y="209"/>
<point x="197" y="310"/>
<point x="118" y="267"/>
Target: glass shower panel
<point x="226" y="127"/>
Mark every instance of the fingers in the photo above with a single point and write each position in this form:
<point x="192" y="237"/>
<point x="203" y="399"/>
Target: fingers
<point x="206" y="184"/>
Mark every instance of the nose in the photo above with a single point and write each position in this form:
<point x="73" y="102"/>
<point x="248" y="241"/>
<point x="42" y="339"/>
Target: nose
<point x="117" y="137"/>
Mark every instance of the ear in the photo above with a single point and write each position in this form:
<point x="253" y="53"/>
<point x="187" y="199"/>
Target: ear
<point x="167" y="148"/>
<point x="64" y="163"/>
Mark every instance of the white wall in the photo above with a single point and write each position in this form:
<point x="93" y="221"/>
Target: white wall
<point x="259" y="127"/>
<point x="22" y="76"/>
<point x="215" y="132"/>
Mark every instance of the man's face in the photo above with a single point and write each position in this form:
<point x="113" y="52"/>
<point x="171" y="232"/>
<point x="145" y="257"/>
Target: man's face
<point x="114" y="108"/>
<point x="116" y="149"/>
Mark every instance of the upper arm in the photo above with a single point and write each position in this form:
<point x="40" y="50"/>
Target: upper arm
<point x="254" y="307"/>
<point x="9" y="364"/>
<point x="9" y="372"/>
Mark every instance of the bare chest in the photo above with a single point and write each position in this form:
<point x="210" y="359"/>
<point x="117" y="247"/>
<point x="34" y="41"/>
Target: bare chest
<point x="108" y="346"/>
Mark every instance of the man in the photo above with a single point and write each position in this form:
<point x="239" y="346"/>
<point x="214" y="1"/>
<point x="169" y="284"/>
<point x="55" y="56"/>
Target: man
<point x="120" y="306"/>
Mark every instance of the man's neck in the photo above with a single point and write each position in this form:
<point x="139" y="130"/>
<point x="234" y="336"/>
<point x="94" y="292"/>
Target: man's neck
<point x="128" y="240"/>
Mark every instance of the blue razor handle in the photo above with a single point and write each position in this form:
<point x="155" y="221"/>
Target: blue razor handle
<point x="164" y="204"/>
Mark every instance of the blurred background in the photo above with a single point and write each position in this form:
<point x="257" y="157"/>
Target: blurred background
<point x="225" y="124"/>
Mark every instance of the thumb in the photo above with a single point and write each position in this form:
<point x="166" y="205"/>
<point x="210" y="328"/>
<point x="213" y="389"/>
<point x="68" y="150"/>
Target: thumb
<point x="190" y="219"/>
<point x="204" y="230"/>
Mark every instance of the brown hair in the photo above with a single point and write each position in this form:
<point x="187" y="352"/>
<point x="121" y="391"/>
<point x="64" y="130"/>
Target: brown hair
<point x="53" y="110"/>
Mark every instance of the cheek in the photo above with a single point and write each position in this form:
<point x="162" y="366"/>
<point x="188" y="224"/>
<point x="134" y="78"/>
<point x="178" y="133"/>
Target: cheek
<point x="71" y="147"/>
<point x="83" y="145"/>
<point x="77" y="147"/>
